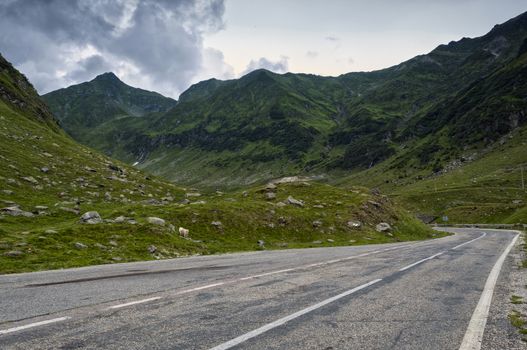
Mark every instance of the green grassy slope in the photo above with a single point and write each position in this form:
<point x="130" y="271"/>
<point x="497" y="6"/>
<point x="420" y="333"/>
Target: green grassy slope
<point x="82" y="107"/>
<point x="48" y="181"/>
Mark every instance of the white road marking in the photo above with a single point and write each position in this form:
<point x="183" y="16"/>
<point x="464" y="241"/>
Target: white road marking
<point x="474" y="334"/>
<point x="265" y="274"/>
<point x="277" y="323"/>
<point x="31" y="325"/>
<point x="475" y="239"/>
<point x="201" y="288"/>
<point x="422" y="261"/>
<point x="133" y="303"/>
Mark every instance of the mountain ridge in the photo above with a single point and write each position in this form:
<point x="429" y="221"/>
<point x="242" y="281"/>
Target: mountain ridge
<point x="266" y="125"/>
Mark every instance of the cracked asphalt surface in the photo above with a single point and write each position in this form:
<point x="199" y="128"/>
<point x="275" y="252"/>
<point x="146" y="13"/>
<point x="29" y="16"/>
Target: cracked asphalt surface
<point x="207" y="301"/>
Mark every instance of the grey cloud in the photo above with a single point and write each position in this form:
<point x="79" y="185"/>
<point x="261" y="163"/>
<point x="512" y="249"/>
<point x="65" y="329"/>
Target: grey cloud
<point x="157" y="44"/>
<point x="312" y="54"/>
<point x="87" y="66"/>
<point x="280" y="66"/>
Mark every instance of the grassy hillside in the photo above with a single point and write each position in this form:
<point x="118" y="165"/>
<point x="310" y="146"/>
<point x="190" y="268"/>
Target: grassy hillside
<point x="48" y="183"/>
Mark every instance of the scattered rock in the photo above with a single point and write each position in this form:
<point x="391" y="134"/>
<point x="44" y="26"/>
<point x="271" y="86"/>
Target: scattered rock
<point x="8" y="192"/>
<point x="354" y="224"/>
<point x="183" y="232"/>
<point x="70" y="210"/>
<point x="117" y="258"/>
<point x="152" y="249"/>
<point x="261" y="243"/>
<point x="317" y="242"/>
<point x="427" y="219"/>
<point x="13" y="253"/>
<point x="270" y="186"/>
<point x="115" y="168"/>
<point x="318" y="206"/>
<point x="16" y="211"/>
<point x="316" y="223"/>
<point x="283" y="221"/>
<point x="383" y="227"/>
<point x="50" y="232"/>
<point x="374" y="203"/>
<point x="294" y="201"/>
<point x="45" y="170"/>
<point x="217" y="224"/>
<point x="113" y="243"/>
<point x="245" y="193"/>
<point x="30" y="179"/>
<point x="270" y="195"/>
<point x="80" y="245"/>
<point x="100" y="246"/>
<point x="184" y="201"/>
<point x="91" y="217"/>
<point x="41" y="207"/>
<point x="330" y="240"/>
<point x="280" y="204"/>
<point x="156" y="221"/>
<point x="193" y="194"/>
<point x="352" y="241"/>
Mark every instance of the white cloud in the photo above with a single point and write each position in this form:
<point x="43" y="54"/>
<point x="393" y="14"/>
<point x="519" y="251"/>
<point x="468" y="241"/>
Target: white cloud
<point x="279" y="66"/>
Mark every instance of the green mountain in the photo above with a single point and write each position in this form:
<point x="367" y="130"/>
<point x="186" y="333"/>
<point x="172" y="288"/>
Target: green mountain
<point x="410" y="121"/>
<point x="82" y="108"/>
<point x="64" y="205"/>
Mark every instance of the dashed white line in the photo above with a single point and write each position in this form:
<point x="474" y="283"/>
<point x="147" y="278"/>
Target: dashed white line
<point x="421" y="261"/>
<point x="31" y="325"/>
<point x="265" y="274"/>
<point x="476" y="327"/>
<point x="133" y="303"/>
<point x="475" y="239"/>
<point x="201" y="288"/>
<point x="277" y="323"/>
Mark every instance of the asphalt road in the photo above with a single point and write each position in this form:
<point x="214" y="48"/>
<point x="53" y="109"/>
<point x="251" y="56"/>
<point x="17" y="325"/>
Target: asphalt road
<point x="418" y="295"/>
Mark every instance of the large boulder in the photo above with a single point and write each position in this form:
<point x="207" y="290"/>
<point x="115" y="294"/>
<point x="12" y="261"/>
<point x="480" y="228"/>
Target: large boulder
<point x="91" y="217"/>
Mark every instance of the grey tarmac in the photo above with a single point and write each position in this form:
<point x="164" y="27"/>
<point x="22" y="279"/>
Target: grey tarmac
<point x="361" y="297"/>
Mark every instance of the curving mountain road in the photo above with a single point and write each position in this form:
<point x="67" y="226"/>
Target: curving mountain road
<point x="419" y="295"/>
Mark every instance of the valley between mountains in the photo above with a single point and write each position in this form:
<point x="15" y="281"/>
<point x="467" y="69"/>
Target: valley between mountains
<point x="102" y="172"/>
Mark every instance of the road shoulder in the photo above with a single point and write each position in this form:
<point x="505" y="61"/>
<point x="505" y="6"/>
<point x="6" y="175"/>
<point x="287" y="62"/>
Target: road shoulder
<point x="499" y="332"/>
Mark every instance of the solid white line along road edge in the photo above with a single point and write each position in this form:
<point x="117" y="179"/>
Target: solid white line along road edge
<point x="474" y="334"/>
<point x="133" y="303"/>
<point x="31" y="325"/>
<point x="475" y="239"/>
<point x="277" y="323"/>
<point x="422" y="261"/>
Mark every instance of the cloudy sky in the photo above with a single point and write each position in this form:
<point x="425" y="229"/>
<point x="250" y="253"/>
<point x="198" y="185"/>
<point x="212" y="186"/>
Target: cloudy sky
<point x="166" y="45"/>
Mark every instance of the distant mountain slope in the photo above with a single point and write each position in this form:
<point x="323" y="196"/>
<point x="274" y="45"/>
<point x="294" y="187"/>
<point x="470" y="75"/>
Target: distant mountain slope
<point x="417" y="117"/>
<point x="84" y="106"/>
